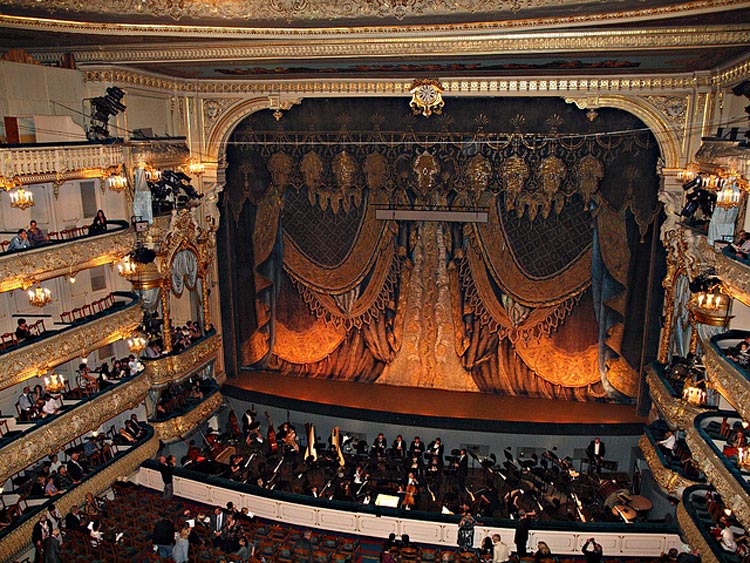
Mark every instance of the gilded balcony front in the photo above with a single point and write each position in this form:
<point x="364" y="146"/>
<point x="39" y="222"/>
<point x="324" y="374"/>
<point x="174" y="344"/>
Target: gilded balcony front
<point x="174" y="367"/>
<point x="38" y="165"/>
<point x="734" y="491"/>
<point x="174" y="428"/>
<point x="677" y="412"/>
<point x="670" y="481"/>
<point x="735" y="275"/>
<point x="726" y="376"/>
<point x="17" y="269"/>
<point x="39" y="357"/>
<point x="125" y="463"/>
<point x="694" y="536"/>
<point x="87" y="416"/>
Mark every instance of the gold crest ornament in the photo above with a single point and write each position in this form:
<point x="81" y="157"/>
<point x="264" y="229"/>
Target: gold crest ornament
<point x="426" y="97"/>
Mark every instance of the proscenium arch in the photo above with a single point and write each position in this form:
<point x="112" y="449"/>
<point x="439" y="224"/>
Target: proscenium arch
<point x="653" y="118"/>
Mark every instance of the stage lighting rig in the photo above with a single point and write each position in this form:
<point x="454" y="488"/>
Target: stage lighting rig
<point x="102" y="108"/>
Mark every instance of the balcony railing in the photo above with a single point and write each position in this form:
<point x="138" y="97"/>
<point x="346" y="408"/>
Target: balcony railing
<point x="53" y="348"/>
<point x="58" y="163"/>
<point x="678" y="412"/>
<point x="669" y="478"/>
<point x="729" y="378"/>
<point x="173" y="428"/>
<point x="174" y="367"/>
<point x="696" y="521"/>
<point x="37" y="439"/>
<point x="58" y="258"/>
<point x="734" y="273"/>
<point x="15" y="540"/>
<point x="731" y="480"/>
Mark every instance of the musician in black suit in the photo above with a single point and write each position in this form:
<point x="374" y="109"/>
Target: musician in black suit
<point x="380" y="445"/>
<point x="398" y="448"/>
<point x="462" y="468"/>
<point x="596" y="451"/>
<point x="435" y="450"/>
<point x="416" y="447"/>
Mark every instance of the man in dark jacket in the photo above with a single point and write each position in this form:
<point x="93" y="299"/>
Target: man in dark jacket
<point x="163" y="537"/>
<point x="521" y="537"/>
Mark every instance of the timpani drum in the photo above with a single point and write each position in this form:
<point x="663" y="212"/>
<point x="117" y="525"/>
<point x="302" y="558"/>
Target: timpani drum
<point x="609" y="491"/>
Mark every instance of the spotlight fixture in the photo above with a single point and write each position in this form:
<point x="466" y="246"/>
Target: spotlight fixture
<point x="102" y="108"/>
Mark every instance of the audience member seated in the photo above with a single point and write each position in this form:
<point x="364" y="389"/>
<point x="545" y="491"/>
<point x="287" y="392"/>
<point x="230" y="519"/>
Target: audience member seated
<point x="19" y="242"/>
<point x="99" y="224"/>
<point x="36" y="236"/>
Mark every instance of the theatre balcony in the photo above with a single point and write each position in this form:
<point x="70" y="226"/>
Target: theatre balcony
<point x="674" y="395"/>
<point x="725" y="374"/>
<point x="699" y="515"/>
<point x="24" y="442"/>
<point x="187" y="411"/>
<point x="672" y="472"/>
<point x="717" y="440"/>
<point x="125" y="458"/>
<point x="58" y="162"/>
<point x="68" y="251"/>
<point x="734" y="272"/>
<point x="178" y="365"/>
<point x="84" y="329"/>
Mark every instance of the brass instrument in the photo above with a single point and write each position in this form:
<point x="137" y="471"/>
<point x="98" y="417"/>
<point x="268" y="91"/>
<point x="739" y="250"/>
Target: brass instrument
<point x="310" y="451"/>
<point x="336" y="444"/>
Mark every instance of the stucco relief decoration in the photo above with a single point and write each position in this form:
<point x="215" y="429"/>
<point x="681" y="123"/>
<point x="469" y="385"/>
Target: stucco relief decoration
<point x="674" y="109"/>
<point x="213" y="109"/>
<point x="343" y="292"/>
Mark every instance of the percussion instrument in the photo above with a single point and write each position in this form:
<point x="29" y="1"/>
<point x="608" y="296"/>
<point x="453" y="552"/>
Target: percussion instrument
<point x="609" y="490"/>
<point x="640" y="503"/>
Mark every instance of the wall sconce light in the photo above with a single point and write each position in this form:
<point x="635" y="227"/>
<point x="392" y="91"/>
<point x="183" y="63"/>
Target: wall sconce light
<point x="116" y="182"/>
<point x="195" y="168"/>
<point x="21" y="199"/>
<point x="137" y="343"/>
<point x="127" y="268"/>
<point x="39" y="296"/>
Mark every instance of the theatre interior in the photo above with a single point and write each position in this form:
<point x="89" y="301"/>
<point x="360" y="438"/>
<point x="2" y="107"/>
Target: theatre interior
<point x="375" y="281"/>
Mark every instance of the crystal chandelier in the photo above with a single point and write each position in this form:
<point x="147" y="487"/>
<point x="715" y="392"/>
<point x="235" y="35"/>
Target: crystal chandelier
<point x="21" y="198"/>
<point x="39" y="296"/>
<point x="116" y="182"/>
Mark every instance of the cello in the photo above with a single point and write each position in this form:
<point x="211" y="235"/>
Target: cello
<point x="271" y="435"/>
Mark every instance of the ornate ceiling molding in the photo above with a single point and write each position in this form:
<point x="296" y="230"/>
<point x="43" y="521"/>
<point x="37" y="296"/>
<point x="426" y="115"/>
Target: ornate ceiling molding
<point x="38" y="358"/>
<point x="731" y="491"/>
<point x="578" y="87"/>
<point x="331" y="10"/>
<point x="18" y="539"/>
<point x="396" y="47"/>
<point x="72" y="423"/>
<point x="17" y="270"/>
<point x="162" y="371"/>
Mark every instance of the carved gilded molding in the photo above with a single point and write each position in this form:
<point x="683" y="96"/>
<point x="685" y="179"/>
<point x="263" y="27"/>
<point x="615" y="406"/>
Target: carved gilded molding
<point x="731" y="491"/>
<point x="19" y="539"/>
<point x="89" y="416"/>
<point x="163" y="371"/>
<point x="735" y="276"/>
<point x="38" y="165"/>
<point x="657" y="116"/>
<point x="446" y="45"/>
<point x="160" y="153"/>
<point x="174" y="428"/>
<point x="732" y="74"/>
<point x="678" y="413"/>
<point x="38" y="358"/>
<point x="18" y="270"/>
<point x="212" y="110"/>
<point x="694" y="536"/>
<point x="670" y="481"/>
<point x="344" y="87"/>
<point x="725" y="378"/>
<point x="327" y="10"/>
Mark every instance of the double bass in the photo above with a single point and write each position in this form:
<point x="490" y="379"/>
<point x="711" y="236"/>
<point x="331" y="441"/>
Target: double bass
<point x="271" y="435"/>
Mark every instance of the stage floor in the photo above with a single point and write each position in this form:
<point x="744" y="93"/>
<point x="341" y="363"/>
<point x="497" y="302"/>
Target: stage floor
<point x="429" y="403"/>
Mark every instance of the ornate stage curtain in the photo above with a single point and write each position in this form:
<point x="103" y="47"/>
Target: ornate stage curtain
<point x="538" y="298"/>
